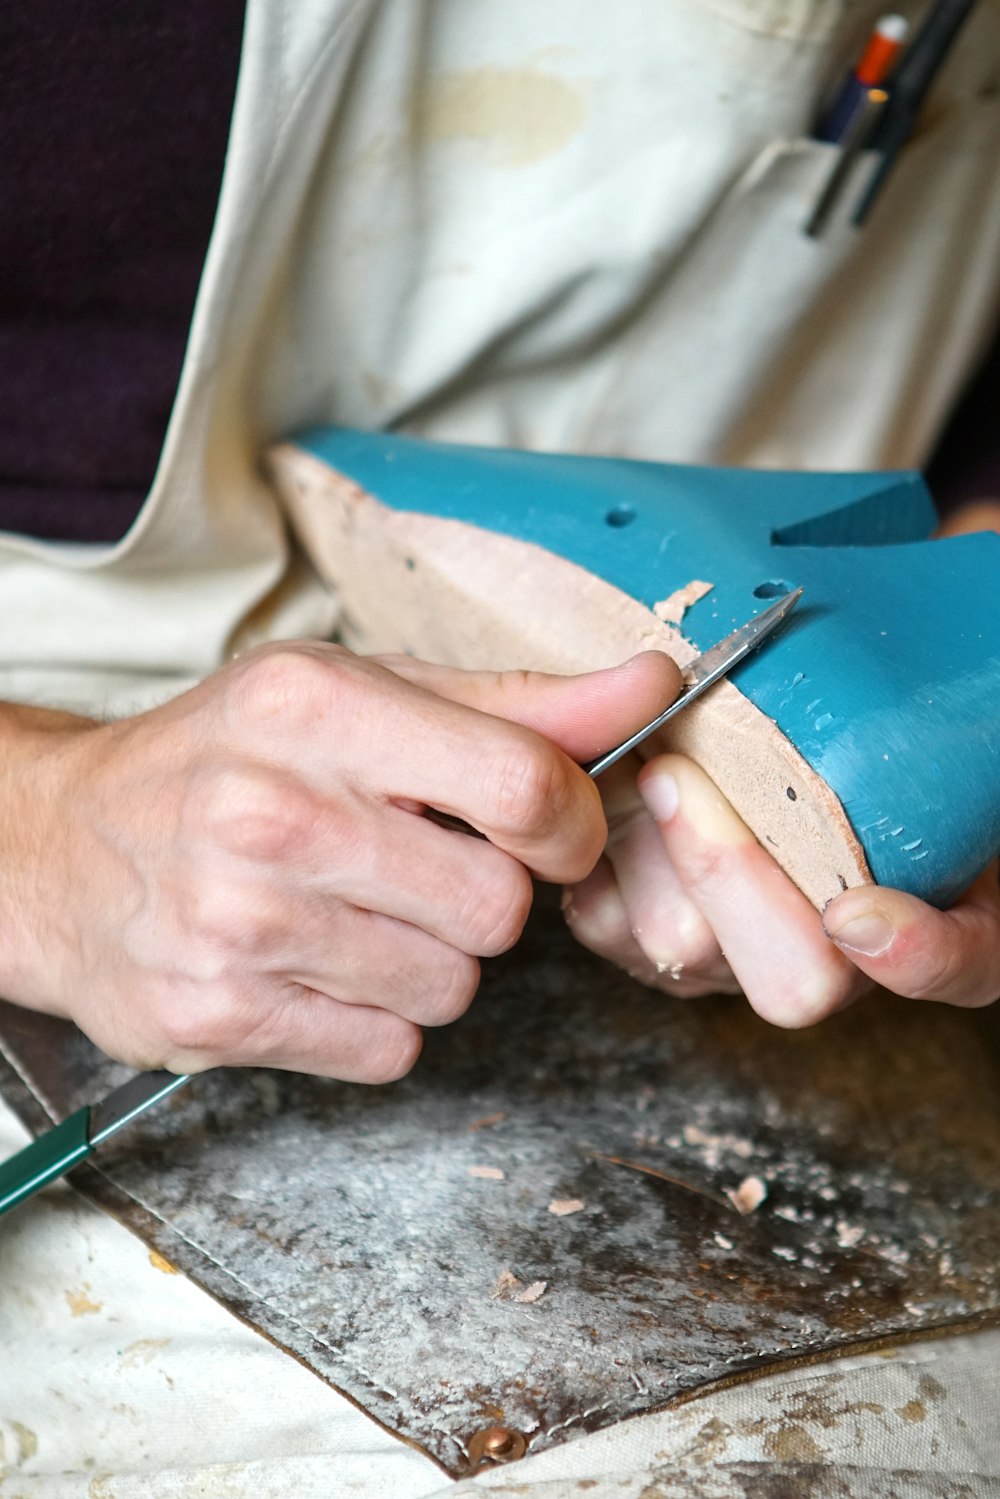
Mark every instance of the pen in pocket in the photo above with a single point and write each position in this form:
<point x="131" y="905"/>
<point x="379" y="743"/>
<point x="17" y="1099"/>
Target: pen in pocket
<point x="863" y="123"/>
<point x="908" y="87"/>
<point x="871" y="69"/>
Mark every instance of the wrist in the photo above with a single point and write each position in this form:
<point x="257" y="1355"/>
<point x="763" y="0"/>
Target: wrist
<point x="37" y="789"/>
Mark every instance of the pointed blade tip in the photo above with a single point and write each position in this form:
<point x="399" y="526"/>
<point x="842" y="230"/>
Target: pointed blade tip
<point x="785" y="604"/>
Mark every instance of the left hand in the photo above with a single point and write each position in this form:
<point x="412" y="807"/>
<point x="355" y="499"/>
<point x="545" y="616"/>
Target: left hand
<point x="686" y="900"/>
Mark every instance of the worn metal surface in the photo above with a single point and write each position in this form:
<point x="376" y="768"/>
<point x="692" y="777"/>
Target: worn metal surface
<point x="369" y="1231"/>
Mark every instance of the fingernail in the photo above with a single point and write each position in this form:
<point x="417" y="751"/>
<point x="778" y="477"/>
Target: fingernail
<point x="869" y="934"/>
<point x="660" y="794"/>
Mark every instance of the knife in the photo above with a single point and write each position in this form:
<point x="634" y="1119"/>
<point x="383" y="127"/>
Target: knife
<point x="76" y="1138"/>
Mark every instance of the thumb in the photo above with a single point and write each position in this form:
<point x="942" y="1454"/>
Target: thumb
<point x="912" y="949"/>
<point x="584" y="715"/>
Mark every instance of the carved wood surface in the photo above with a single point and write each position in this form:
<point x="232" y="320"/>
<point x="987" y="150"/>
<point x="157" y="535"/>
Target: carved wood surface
<point x="456" y="595"/>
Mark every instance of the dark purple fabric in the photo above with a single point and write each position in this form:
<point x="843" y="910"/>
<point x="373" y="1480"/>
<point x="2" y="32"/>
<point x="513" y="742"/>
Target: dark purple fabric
<point x="966" y="465"/>
<point x="114" y="118"/>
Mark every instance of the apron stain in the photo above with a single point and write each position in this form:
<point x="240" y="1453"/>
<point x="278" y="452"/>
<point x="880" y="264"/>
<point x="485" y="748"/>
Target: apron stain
<point x="521" y="114"/>
<point x="80" y="1304"/>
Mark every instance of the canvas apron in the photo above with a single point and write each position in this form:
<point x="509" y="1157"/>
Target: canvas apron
<point x="569" y="226"/>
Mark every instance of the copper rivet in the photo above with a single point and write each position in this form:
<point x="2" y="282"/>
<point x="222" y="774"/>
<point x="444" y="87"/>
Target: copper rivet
<point x="497" y="1444"/>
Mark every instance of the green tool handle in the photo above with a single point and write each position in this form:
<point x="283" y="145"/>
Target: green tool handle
<point x="45" y="1159"/>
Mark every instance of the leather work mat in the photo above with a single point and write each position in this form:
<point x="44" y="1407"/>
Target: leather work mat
<point x="534" y="1228"/>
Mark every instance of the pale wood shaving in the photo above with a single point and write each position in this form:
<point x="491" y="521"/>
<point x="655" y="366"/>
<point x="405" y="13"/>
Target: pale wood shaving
<point x="749" y="1195"/>
<point x="533" y="1292"/>
<point x="670" y="611"/>
<point x="563" y="1206"/>
<point x="509" y="1288"/>
<point x="487" y="1173"/>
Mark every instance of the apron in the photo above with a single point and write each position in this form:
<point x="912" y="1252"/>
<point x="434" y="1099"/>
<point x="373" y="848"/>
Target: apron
<point x="562" y="227"/>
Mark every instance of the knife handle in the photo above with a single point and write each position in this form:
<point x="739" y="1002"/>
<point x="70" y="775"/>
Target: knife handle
<point x="44" y="1159"/>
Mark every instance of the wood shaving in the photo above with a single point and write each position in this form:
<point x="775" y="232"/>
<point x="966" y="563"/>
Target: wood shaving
<point x="487" y="1173"/>
<point x="714" y="1144"/>
<point x="562" y="1206"/>
<point x="533" y="1292"/>
<point x="748" y="1196"/>
<point x="488" y="1120"/>
<point x="509" y="1288"/>
<point x="670" y="611"/>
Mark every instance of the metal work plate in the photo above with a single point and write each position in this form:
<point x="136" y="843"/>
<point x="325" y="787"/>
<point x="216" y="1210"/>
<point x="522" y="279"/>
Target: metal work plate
<point x="534" y="1230"/>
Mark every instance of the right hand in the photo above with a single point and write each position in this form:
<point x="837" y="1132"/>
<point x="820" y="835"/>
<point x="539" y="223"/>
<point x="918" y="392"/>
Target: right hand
<point x="246" y="874"/>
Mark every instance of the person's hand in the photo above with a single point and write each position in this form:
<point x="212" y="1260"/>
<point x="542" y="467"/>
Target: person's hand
<point x="688" y="901"/>
<point x="246" y="875"/>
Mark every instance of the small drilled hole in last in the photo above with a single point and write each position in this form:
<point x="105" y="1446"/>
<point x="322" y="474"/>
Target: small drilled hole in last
<point x="773" y="590"/>
<point x="622" y="515"/>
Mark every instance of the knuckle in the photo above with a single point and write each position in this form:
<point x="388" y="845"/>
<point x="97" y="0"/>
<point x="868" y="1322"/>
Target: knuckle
<point x="452" y="989"/>
<point x="700" y="963"/>
<point x="681" y="942"/>
<point x="530" y="787"/>
<point x="819" y="993"/>
<point x="683" y="952"/>
<point x="938" y="976"/>
<point x="598" y="919"/>
<point x="825" y="991"/>
<point x="207" y="1023"/>
<point x="254" y="812"/>
<point x="496" y="910"/>
<point x="705" y="864"/>
<point x="291" y="686"/>
<point x="393" y="1055"/>
<point x="226" y="922"/>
